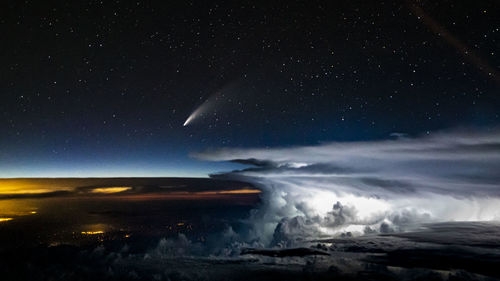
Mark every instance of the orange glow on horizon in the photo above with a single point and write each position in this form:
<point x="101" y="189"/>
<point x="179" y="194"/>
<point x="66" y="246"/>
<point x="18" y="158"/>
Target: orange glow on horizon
<point x="13" y="190"/>
<point x="186" y="195"/>
<point x="111" y="189"/>
<point x="99" y="189"/>
<point x="234" y="191"/>
<point x="92" y="232"/>
<point x="28" y="186"/>
<point x="5" y="219"/>
<point x="241" y="191"/>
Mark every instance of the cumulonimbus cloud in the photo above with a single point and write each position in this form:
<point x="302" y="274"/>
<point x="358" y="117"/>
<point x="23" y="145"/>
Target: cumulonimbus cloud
<point x="384" y="185"/>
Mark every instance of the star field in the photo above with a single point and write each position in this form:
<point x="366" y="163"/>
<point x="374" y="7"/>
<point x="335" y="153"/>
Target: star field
<point x="102" y="85"/>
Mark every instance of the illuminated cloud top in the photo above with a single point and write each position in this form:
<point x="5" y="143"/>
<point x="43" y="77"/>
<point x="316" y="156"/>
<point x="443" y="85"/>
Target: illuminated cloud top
<point x="374" y="185"/>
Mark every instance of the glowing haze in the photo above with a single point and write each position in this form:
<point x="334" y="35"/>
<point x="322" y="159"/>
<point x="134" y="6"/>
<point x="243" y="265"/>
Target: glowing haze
<point x="372" y="186"/>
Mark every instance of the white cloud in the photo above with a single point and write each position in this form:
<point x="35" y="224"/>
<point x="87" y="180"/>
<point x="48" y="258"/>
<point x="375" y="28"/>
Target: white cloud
<point x="389" y="184"/>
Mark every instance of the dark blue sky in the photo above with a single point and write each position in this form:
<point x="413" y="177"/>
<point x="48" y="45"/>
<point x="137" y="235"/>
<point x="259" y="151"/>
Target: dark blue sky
<point x="102" y="89"/>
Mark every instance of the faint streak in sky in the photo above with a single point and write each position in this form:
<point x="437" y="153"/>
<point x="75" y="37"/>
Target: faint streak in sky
<point x="467" y="53"/>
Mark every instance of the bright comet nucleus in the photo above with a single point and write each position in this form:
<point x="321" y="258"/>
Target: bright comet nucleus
<point x="188" y="120"/>
<point x="199" y="111"/>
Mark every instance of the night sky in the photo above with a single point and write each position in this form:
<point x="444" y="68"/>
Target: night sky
<point x="103" y="88"/>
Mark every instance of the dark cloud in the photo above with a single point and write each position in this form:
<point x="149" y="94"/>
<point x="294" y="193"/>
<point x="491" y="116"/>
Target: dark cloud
<point x="293" y="252"/>
<point x="255" y="162"/>
<point x="480" y="234"/>
<point x="373" y="257"/>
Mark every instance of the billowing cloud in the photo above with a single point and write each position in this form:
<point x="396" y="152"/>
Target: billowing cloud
<point x="382" y="186"/>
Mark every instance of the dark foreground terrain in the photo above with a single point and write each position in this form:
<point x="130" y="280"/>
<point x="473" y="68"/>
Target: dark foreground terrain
<point x="191" y="229"/>
<point x="420" y="255"/>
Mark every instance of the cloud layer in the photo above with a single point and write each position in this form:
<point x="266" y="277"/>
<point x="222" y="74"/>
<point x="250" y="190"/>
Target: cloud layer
<point x="359" y="187"/>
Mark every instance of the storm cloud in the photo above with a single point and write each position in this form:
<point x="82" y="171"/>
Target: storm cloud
<point x="358" y="187"/>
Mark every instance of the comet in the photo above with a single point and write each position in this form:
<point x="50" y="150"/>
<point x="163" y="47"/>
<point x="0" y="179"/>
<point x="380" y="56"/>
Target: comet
<point x="220" y="100"/>
<point x="189" y="119"/>
<point x="215" y="100"/>
<point x="204" y="107"/>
